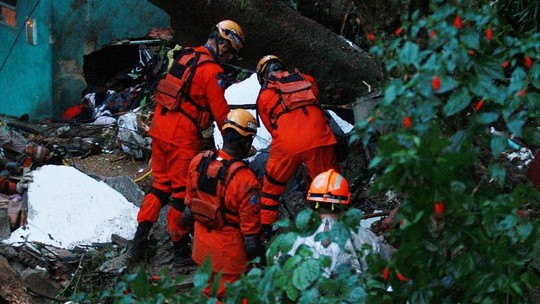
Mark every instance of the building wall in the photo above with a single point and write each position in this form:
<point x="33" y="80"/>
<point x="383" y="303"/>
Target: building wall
<point x="45" y="79"/>
<point x="83" y="26"/>
<point x="26" y="74"/>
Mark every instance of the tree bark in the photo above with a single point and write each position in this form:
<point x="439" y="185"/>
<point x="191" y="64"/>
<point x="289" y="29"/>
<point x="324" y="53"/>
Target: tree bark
<point x="271" y="27"/>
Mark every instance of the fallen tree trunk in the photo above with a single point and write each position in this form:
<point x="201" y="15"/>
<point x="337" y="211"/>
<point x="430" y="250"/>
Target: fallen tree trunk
<point x="271" y="27"/>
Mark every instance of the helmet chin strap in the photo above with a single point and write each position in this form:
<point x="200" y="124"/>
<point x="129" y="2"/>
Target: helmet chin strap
<point x="214" y="50"/>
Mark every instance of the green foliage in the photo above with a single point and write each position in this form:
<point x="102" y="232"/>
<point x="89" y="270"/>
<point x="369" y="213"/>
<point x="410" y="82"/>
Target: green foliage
<point x="478" y="248"/>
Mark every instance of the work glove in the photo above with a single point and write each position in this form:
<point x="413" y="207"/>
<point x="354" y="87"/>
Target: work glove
<point x="266" y="233"/>
<point x="254" y="248"/>
<point x="25" y="181"/>
<point x="187" y="217"/>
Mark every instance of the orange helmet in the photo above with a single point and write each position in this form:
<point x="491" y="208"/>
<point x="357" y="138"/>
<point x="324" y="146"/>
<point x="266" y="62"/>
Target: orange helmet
<point x="329" y="187"/>
<point x="232" y="32"/>
<point x="264" y="63"/>
<point x="242" y="121"/>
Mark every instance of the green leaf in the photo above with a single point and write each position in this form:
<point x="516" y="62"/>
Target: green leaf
<point x="531" y="135"/>
<point x="457" y="186"/>
<point x="480" y="86"/>
<point x="486" y="118"/>
<point x="141" y="287"/>
<point x="517" y="79"/>
<point x="283" y="223"/>
<point x="497" y="173"/>
<point x="524" y="230"/>
<point x="309" y="296"/>
<point x="409" y="54"/>
<point x="508" y="222"/>
<point x="393" y="90"/>
<point x="303" y="218"/>
<point x="515" y="123"/>
<point x="357" y="295"/>
<point x="306" y="274"/>
<point x="200" y="280"/>
<point x="340" y="234"/>
<point x="458" y="101"/>
<point x="470" y="38"/>
<point x="489" y="69"/>
<point x="447" y="84"/>
<point x="498" y="144"/>
<point x="292" y="292"/>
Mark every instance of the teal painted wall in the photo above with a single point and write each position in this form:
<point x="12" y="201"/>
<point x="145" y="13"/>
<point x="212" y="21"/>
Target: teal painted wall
<point x="45" y="79"/>
<point x="25" y="79"/>
<point x="83" y="26"/>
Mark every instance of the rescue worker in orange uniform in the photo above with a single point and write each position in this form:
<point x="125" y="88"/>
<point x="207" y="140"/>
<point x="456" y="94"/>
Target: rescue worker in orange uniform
<point x="220" y="179"/>
<point x="9" y="187"/>
<point x="188" y="100"/>
<point x="289" y="109"/>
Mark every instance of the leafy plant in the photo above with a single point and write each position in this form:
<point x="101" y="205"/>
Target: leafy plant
<point x="456" y="73"/>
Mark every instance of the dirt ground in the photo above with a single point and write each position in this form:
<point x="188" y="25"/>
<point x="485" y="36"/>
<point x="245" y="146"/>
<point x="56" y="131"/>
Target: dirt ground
<point x="116" y="164"/>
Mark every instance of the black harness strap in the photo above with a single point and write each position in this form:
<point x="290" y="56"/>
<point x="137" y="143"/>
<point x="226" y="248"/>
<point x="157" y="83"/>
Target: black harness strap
<point x="178" y="204"/>
<point x="162" y="196"/>
<point x="274" y="181"/>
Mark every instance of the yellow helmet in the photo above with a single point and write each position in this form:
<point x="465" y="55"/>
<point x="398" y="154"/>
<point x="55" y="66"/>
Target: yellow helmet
<point x="242" y="121"/>
<point x="329" y="187"/>
<point x="264" y="63"/>
<point x="232" y="32"/>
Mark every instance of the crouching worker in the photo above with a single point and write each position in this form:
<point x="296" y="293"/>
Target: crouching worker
<point x="222" y="197"/>
<point x="329" y="196"/>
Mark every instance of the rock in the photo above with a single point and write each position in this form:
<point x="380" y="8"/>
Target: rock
<point x="5" y="231"/>
<point x="39" y="282"/>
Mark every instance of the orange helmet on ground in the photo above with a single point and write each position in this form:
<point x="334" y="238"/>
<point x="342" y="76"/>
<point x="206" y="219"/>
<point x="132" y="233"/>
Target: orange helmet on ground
<point x="242" y="121"/>
<point x="329" y="187"/>
<point x="265" y="63"/>
<point x="232" y="32"/>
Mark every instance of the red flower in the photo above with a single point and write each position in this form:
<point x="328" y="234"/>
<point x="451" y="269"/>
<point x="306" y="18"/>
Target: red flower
<point x="370" y="37"/>
<point x="126" y="291"/>
<point x="506" y="64"/>
<point x="489" y="33"/>
<point x="528" y="62"/>
<point x="155" y="278"/>
<point x="521" y="93"/>
<point x="432" y="34"/>
<point x="439" y="209"/>
<point x="402" y="223"/>
<point x="458" y="22"/>
<point x="371" y="119"/>
<point x="386" y="273"/>
<point x="407" y="122"/>
<point x="398" y="31"/>
<point x="436" y="83"/>
<point x="472" y="52"/>
<point x="401" y="277"/>
<point x="478" y="105"/>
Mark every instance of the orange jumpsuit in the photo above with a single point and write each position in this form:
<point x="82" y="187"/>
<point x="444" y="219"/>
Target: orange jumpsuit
<point x="302" y="136"/>
<point x="7" y="187"/>
<point x="225" y="247"/>
<point x="175" y="141"/>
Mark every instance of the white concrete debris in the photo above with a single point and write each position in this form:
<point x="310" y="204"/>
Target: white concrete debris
<point x="68" y="208"/>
